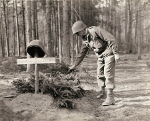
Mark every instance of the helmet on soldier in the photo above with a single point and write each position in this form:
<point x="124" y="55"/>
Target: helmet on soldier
<point x="78" y="26"/>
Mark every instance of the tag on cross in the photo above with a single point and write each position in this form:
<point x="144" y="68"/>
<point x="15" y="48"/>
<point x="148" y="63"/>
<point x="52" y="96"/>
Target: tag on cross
<point x="37" y="61"/>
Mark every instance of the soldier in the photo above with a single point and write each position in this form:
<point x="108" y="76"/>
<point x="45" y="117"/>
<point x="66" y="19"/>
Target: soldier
<point x="104" y="45"/>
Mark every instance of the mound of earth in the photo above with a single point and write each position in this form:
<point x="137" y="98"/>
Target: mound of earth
<point x="31" y="102"/>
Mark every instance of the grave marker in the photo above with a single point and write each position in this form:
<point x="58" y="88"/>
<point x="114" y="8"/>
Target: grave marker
<point x="36" y="50"/>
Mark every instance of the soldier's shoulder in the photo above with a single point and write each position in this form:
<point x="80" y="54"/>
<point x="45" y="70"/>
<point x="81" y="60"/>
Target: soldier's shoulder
<point x="92" y="27"/>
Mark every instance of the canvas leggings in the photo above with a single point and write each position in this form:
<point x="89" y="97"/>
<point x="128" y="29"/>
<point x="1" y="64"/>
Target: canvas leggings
<point x="106" y="72"/>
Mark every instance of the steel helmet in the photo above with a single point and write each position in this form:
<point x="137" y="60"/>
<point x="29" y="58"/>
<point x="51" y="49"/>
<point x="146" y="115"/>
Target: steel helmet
<point x="78" y="26"/>
<point x="36" y="46"/>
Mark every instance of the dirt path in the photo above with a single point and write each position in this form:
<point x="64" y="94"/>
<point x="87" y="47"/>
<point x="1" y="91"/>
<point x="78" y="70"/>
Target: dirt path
<point x="132" y="95"/>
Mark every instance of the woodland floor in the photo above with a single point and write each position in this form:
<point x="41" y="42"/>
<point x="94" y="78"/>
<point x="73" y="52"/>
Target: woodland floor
<point x="132" y="96"/>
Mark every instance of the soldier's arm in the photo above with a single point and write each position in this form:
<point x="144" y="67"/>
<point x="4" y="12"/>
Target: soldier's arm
<point x="114" y="46"/>
<point x="81" y="55"/>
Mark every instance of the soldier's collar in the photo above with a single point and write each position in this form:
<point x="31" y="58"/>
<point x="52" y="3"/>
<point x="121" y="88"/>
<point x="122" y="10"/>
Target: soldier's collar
<point x="87" y="31"/>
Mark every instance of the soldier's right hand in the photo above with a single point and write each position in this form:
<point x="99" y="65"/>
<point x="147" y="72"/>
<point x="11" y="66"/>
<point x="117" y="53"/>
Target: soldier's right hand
<point x="71" y="68"/>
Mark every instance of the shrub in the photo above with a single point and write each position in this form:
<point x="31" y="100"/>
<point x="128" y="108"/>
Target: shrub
<point x="61" y="85"/>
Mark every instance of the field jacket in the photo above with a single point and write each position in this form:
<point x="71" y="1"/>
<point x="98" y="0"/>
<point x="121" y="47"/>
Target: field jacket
<point x="98" y="39"/>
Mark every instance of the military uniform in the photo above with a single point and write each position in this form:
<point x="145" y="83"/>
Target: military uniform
<point x="104" y="45"/>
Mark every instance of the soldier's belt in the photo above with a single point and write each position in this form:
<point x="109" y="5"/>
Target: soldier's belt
<point x="104" y="55"/>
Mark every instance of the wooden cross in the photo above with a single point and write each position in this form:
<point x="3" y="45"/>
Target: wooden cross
<point x="37" y="61"/>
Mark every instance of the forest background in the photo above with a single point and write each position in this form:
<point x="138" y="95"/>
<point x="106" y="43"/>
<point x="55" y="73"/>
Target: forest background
<point x="50" y="21"/>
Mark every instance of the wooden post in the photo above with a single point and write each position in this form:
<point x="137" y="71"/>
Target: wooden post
<point x="36" y="79"/>
<point x="36" y="75"/>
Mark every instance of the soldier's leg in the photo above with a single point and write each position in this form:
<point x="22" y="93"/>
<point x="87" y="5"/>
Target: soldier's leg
<point x="100" y="77"/>
<point x="109" y="72"/>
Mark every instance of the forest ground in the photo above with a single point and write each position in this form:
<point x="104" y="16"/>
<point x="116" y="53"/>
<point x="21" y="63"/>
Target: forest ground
<point x="132" y="96"/>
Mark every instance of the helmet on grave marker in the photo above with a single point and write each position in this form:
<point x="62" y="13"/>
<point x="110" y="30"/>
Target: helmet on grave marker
<point x="36" y="48"/>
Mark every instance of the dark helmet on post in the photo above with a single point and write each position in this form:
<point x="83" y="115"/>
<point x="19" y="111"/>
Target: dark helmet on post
<point x="36" y="47"/>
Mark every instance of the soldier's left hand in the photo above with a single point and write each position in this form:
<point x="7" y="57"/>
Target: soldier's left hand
<point x="117" y="58"/>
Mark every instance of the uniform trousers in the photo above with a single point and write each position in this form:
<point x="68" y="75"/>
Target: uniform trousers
<point x="106" y="71"/>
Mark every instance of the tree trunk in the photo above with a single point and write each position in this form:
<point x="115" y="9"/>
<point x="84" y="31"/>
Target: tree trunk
<point x="115" y="21"/>
<point x="6" y="29"/>
<point x="107" y="17"/>
<point x="140" y="32"/>
<point x="54" y="28"/>
<point x="148" y="39"/>
<point x="129" y="39"/>
<point x="36" y="20"/>
<point x="48" y="27"/>
<point x="1" y="32"/>
<point x="136" y="26"/>
<point x="66" y="42"/>
<point x="76" y="19"/>
<point x="17" y="29"/>
<point x="2" y="39"/>
<point x="24" y="29"/>
<point x="14" y="30"/>
<point x="28" y="21"/>
<point x="59" y="36"/>
<point x="80" y="14"/>
<point x="111" y="15"/>
<point x="44" y="23"/>
<point x="119" y="32"/>
<point x="72" y="40"/>
<point x="146" y="32"/>
<point x="7" y="21"/>
<point x="28" y="28"/>
<point x="33" y="2"/>
<point x="126" y="20"/>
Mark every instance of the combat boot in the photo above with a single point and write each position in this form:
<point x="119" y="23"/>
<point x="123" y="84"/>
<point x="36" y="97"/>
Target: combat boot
<point x="102" y="93"/>
<point x="110" y="98"/>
